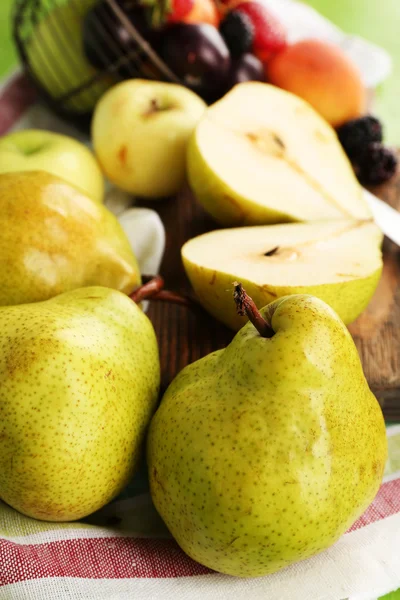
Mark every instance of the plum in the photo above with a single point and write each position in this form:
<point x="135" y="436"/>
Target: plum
<point x="245" y="68"/>
<point x="198" y="56"/>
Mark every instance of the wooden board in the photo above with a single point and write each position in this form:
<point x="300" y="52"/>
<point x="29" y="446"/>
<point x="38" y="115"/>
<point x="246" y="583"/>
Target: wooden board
<point x="377" y="331"/>
<point x="185" y="336"/>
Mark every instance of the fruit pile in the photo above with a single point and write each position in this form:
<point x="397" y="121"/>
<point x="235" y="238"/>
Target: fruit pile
<point x="212" y="45"/>
<point x="254" y="447"/>
<point x="208" y="46"/>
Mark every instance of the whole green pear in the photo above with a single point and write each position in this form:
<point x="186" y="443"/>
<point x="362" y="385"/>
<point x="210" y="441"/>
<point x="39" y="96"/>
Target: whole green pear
<point x="266" y="452"/>
<point x="55" y="239"/>
<point x="79" y="381"/>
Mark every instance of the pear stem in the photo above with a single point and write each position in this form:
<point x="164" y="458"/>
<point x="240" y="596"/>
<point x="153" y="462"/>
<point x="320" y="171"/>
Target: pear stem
<point x="245" y="306"/>
<point x="152" y="289"/>
<point x="173" y="298"/>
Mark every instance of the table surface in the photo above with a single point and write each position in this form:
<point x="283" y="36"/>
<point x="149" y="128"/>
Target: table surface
<point x="363" y="17"/>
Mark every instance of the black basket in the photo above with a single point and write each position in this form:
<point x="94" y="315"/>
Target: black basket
<point x="49" y="38"/>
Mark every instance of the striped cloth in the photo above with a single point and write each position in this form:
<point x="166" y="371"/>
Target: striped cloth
<point x="124" y="551"/>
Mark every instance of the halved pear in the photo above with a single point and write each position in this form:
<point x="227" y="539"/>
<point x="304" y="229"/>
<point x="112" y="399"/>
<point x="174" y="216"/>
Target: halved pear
<point x="262" y="155"/>
<point x="337" y="261"/>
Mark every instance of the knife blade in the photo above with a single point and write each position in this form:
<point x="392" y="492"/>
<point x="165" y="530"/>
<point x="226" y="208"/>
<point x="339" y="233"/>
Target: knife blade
<point x="386" y="217"/>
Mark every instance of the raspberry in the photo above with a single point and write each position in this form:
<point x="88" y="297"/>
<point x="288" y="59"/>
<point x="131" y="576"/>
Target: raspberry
<point x="356" y="135"/>
<point x="376" y="165"/>
<point x="238" y="33"/>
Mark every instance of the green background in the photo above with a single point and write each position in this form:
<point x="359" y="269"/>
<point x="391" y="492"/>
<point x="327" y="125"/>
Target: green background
<point x="377" y="20"/>
<point x="7" y="55"/>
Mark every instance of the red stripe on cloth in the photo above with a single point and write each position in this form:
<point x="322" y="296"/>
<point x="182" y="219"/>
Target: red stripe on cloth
<point x="386" y="504"/>
<point x="15" y="98"/>
<point x="106" y="558"/>
<point x="118" y="558"/>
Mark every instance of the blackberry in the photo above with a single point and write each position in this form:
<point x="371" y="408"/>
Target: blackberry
<point x="238" y="32"/>
<point x="357" y="134"/>
<point x="376" y="165"/>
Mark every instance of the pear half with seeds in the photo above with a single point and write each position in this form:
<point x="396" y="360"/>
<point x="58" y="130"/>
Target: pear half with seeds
<point x="262" y="155"/>
<point x="340" y="262"/>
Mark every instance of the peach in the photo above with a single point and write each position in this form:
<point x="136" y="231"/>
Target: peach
<point x="323" y="75"/>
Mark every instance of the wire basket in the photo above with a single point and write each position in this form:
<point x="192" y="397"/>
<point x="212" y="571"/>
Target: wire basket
<point x="49" y="35"/>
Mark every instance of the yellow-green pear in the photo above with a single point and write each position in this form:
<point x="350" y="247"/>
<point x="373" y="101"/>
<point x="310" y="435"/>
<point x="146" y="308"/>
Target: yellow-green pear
<point x="55" y="239"/>
<point x="263" y="155"/>
<point x="79" y="379"/>
<point x="337" y="261"/>
<point x="266" y="452"/>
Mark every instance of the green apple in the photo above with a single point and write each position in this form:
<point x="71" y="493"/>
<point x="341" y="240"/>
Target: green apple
<point x="60" y="155"/>
<point x="140" y="133"/>
<point x="56" y="57"/>
<point x="340" y="262"/>
<point x="262" y="155"/>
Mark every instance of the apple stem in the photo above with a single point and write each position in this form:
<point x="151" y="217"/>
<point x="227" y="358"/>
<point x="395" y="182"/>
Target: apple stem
<point x="245" y="306"/>
<point x="152" y="289"/>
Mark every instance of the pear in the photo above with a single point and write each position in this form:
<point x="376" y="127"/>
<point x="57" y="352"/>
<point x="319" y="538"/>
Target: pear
<point x="266" y="452"/>
<point x="337" y="261"/>
<point x="262" y="155"/>
<point x="79" y="379"/>
<point x="55" y="239"/>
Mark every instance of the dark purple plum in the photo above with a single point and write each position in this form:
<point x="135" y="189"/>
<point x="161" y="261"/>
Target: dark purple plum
<point x="246" y="68"/>
<point x="198" y="55"/>
<point x="107" y="42"/>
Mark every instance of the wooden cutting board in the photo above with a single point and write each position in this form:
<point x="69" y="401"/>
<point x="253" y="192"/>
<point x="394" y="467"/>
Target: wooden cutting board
<point x="185" y="336"/>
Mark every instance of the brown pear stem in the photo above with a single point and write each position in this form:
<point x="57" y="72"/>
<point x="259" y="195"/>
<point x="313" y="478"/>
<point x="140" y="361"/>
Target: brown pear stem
<point x="173" y="298"/>
<point x="152" y="289"/>
<point x="245" y="307"/>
